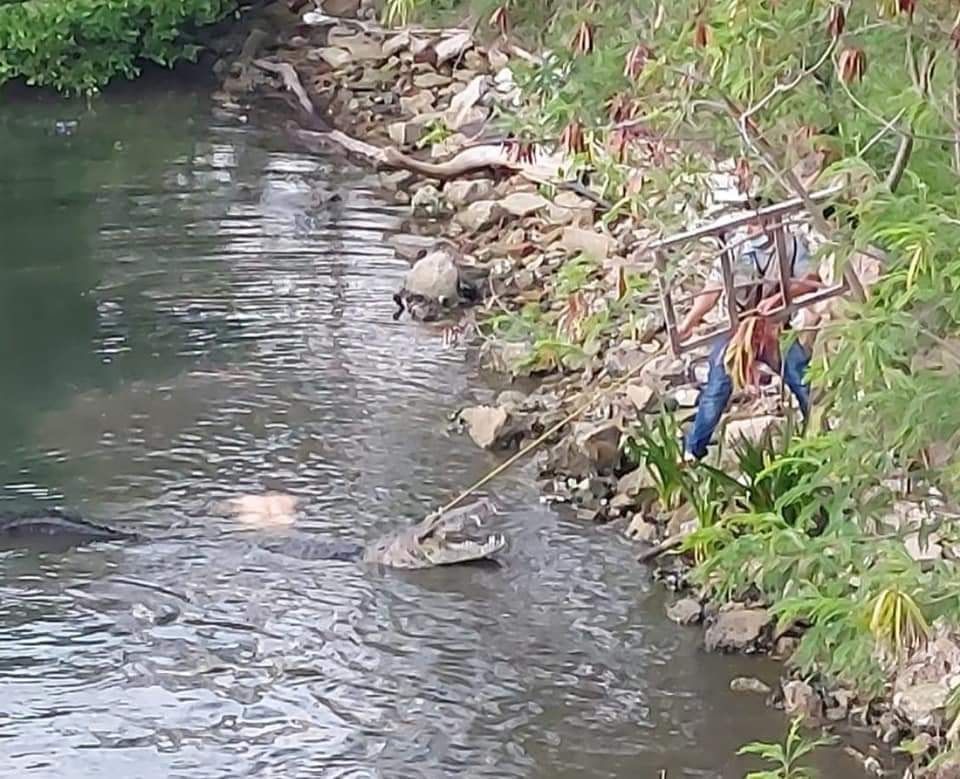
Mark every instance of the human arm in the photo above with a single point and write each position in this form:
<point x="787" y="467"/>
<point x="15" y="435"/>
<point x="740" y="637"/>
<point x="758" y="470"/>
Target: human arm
<point x="702" y="304"/>
<point x="809" y="283"/>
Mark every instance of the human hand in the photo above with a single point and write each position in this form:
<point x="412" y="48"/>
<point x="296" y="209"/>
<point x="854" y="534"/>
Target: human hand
<point x="767" y="305"/>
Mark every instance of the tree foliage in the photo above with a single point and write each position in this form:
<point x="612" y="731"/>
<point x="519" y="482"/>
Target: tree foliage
<point x="77" y="46"/>
<point x="651" y="97"/>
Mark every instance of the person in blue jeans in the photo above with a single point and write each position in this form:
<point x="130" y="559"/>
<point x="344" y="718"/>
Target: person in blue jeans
<point x="756" y="265"/>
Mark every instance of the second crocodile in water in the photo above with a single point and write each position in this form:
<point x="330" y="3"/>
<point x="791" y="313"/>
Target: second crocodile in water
<point x="445" y="538"/>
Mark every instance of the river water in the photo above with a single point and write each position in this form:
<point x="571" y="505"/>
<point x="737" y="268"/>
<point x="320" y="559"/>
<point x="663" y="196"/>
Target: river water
<point x="186" y="314"/>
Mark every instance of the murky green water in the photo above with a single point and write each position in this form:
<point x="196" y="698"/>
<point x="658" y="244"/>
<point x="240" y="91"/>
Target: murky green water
<point x="184" y="315"/>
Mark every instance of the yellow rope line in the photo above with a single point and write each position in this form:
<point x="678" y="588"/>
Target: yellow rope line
<point x="596" y="395"/>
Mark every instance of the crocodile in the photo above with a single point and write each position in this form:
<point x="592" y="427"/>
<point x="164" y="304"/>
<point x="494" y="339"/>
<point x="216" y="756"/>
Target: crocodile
<point x="442" y="538"/>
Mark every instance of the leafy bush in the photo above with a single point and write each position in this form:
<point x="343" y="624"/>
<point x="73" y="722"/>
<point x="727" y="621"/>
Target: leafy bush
<point x="78" y="46"/>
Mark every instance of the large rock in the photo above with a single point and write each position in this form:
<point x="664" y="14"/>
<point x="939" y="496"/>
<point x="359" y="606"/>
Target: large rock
<point x="686" y="611"/>
<point x="636" y="481"/>
<point x="395" y="44"/>
<point x="362" y="48"/>
<point x="599" y="442"/>
<point x="570" y="208"/>
<point x="411" y="247"/>
<point x="641" y="530"/>
<point x="347" y="8"/>
<point x="453" y="46"/>
<point x="427" y="201"/>
<point x="418" y="103"/>
<point x="484" y="424"/>
<point x="801" y="700"/>
<point x="480" y="215"/>
<point x="434" y="277"/>
<point x="923" y="705"/>
<point x="924" y="681"/>
<point x="335" y="57"/>
<point x="469" y="96"/>
<point x="737" y="630"/>
<point x="470" y="118"/>
<point x="430" y="80"/>
<point x="685" y="397"/>
<point x="752" y="429"/>
<point x="521" y="204"/>
<point x="591" y="243"/>
<point x="409" y="132"/>
<point x="749" y="684"/>
<point x="641" y="396"/>
<point x="463" y="192"/>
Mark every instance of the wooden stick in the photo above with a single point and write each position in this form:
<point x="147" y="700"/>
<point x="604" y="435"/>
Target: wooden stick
<point x="594" y="396"/>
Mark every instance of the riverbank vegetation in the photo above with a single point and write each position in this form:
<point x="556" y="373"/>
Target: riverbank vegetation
<point x="78" y="46"/>
<point x="845" y="531"/>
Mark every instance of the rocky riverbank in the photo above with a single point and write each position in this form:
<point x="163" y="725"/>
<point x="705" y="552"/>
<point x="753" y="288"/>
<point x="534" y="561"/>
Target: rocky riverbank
<point x="534" y="270"/>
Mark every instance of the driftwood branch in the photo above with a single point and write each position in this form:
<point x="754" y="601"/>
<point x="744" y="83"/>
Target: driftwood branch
<point x="291" y="81"/>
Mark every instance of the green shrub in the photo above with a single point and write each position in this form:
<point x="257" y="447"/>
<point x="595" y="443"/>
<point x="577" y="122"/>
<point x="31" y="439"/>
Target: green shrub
<point x="78" y="46"/>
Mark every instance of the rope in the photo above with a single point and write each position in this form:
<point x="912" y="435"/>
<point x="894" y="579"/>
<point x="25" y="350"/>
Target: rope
<point x="596" y="395"/>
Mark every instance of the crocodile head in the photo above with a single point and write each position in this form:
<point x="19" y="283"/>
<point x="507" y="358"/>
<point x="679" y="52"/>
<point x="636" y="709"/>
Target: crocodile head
<point x="441" y="539"/>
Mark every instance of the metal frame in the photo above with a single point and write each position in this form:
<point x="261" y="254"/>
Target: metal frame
<point x="719" y="229"/>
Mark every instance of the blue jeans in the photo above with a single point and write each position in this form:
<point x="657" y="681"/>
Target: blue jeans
<point x="715" y="394"/>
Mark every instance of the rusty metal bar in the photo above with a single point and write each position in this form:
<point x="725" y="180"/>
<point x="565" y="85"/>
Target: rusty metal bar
<point x="669" y="315"/>
<point x="732" y="223"/>
<point x="784" y="262"/>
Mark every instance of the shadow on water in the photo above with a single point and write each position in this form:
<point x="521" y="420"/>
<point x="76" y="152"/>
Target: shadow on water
<point x="185" y="315"/>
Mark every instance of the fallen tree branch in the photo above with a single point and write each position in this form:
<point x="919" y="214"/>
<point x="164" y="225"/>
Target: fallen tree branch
<point x="663" y="547"/>
<point x="291" y="81"/>
<point x="481" y="157"/>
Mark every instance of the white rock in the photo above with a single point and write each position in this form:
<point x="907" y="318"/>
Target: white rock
<point x="335" y="57"/>
<point x="685" y="611"/>
<point x="591" y="243"/>
<point x="463" y="192"/>
<point x="467" y="98"/>
<point x="504" y="79"/>
<point x="641" y="530"/>
<point x="640" y="395"/>
<point x="484" y="424"/>
<point x="522" y="204"/>
<point x="418" y="103"/>
<point x="749" y="684"/>
<point x="409" y="132"/>
<point x="686" y="397"/>
<point x="472" y="116"/>
<point x="633" y="482"/>
<point x="737" y="630"/>
<point x="435" y="277"/>
<point x="800" y="699"/>
<point x="430" y="80"/>
<point x="922" y="705"/>
<point x="396" y="44"/>
<point x="480" y="215"/>
<point x="411" y="246"/>
<point x="362" y="48"/>
<point x="340" y="7"/>
<point x="453" y="46"/>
